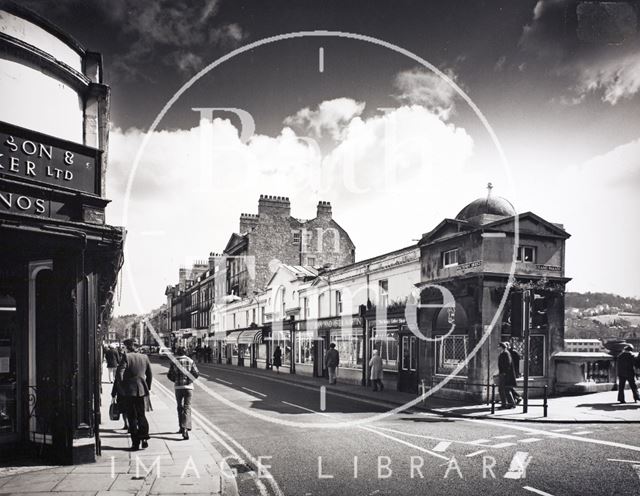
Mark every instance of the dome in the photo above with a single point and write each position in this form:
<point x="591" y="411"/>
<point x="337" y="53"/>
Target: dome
<point x="492" y="205"/>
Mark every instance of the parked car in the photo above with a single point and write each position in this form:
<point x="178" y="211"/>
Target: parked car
<point x="164" y="351"/>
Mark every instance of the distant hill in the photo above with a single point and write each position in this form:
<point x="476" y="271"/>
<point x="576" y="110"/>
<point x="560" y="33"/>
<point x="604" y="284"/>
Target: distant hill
<point x="601" y="316"/>
<point x="592" y="300"/>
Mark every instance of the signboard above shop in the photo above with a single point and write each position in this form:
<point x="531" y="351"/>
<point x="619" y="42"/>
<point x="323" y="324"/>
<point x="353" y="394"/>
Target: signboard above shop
<point x="31" y="157"/>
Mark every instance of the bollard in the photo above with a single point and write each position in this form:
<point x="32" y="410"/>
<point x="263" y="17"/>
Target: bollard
<point x="544" y="402"/>
<point x="493" y="399"/>
<point x="423" y="388"/>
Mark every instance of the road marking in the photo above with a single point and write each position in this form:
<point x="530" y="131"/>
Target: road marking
<point x="222" y="380"/>
<point x="501" y="445"/>
<point x="518" y="466"/>
<point x="476" y="453"/>
<point x="582" y="433"/>
<point x="529" y="440"/>
<point x="622" y="461"/>
<point x="441" y="446"/>
<point x="560" y="430"/>
<point x="480" y="441"/>
<point x="323" y="398"/>
<point x="321" y="59"/>
<point x="422" y="436"/>
<point x="218" y="434"/>
<point x="531" y="430"/>
<point x="506" y="436"/>
<point x="254" y="392"/>
<point x="537" y="491"/>
<point x="397" y="440"/>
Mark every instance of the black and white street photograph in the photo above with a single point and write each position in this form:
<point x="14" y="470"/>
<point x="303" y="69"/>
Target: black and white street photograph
<point x="319" y="247"/>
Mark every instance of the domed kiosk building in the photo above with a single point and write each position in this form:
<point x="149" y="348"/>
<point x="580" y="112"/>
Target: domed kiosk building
<point x="467" y="265"/>
<point x="58" y="258"/>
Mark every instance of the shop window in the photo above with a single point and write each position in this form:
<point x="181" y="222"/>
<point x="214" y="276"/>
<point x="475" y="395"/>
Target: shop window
<point x="526" y="254"/>
<point x="387" y="345"/>
<point x="304" y="348"/>
<point x="383" y="292"/>
<point x="450" y="258"/>
<point x="451" y="351"/>
<point x="349" y="344"/>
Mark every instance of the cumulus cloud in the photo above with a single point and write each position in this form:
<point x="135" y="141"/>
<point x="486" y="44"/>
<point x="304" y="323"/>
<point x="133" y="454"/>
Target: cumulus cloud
<point x="608" y="70"/>
<point x="421" y="87"/>
<point x="330" y="117"/>
<point x="378" y="170"/>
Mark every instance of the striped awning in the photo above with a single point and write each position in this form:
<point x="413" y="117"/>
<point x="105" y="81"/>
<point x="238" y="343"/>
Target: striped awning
<point x="232" y="337"/>
<point x="250" y="337"/>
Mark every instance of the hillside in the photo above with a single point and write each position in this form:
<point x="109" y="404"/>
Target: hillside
<point x="601" y="316"/>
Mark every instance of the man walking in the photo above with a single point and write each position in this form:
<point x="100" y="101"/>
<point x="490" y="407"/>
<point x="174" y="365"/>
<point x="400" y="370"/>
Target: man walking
<point x="515" y="360"/>
<point x="332" y="359"/>
<point x="112" y="357"/>
<point x="625" y="363"/>
<point x="134" y="374"/>
<point x="181" y="373"/>
<point x="507" y="377"/>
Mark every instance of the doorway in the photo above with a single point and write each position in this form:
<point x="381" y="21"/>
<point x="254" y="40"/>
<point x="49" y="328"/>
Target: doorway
<point x="408" y="370"/>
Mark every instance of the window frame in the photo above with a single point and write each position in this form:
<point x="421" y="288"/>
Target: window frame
<point x="448" y="252"/>
<point x="521" y="253"/>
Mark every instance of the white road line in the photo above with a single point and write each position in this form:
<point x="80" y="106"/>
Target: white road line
<point x="518" y="466"/>
<point x="582" y="433"/>
<point x="501" y="445"/>
<point x="476" y="453"/>
<point x="422" y="436"/>
<point x="529" y="440"/>
<point x="441" y="446"/>
<point x="560" y="430"/>
<point x="531" y="430"/>
<point x="506" y="436"/>
<point x="222" y="380"/>
<point x="537" y="491"/>
<point x="622" y="461"/>
<point x="217" y="433"/>
<point x="397" y="440"/>
<point x="254" y="392"/>
<point x="480" y="441"/>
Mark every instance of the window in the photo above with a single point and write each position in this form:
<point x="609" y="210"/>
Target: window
<point x="253" y="316"/>
<point x="338" y="303"/>
<point x="450" y="258"/>
<point x="383" y="292"/>
<point x="296" y="237"/>
<point x="246" y="318"/>
<point x="450" y="353"/>
<point x="349" y="344"/>
<point x="305" y="308"/>
<point x="311" y="261"/>
<point x="262" y="316"/>
<point x="321" y="305"/>
<point x="234" y="321"/>
<point x="386" y="342"/>
<point x="536" y="354"/>
<point x="304" y="347"/>
<point x="526" y="254"/>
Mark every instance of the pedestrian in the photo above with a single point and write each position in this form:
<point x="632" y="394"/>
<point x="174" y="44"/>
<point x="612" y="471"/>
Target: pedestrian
<point x="506" y="377"/>
<point x="134" y="373"/>
<point x="332" y="359"/>
<point x="112" y="357"/>
<point x="376" y="371"/>
<point x="515" y="359"/>
<point x="118" y="394"/>
<point x="626" y="373"/>
<point x="181" y="373"/>
<point x="277" y="359"/>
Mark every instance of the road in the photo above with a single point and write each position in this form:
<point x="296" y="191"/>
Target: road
<point x="257" y="419"/>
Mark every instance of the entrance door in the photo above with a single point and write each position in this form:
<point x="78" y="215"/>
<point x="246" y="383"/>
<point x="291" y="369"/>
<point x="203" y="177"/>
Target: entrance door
<point x="408" y="370"/>
<point x="9" y="393"/>
<point x="318" y="358"/>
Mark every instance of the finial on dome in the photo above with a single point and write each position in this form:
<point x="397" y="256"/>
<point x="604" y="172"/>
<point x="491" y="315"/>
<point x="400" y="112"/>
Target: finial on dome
<point x="489" y="188"/>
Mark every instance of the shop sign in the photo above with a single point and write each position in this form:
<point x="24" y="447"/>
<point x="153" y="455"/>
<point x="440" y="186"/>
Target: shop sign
<point x="38" y="206"/>
<point x="330" y="323"/>
<point x="551" y="268"/>
<point x="32" y="157"/>
<point x="470" y="265"/>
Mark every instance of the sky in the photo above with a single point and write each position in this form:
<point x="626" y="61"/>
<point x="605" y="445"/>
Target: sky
<point x="390" y="142"/>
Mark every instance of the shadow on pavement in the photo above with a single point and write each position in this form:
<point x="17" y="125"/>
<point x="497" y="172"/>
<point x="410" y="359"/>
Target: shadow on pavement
<point x="610" y="407"/>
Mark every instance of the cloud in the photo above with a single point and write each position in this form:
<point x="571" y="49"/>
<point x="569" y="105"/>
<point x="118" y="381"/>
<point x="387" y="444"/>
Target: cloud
<point x="379" y="170"/>
<point x="609" y="70"/>
<point x="331" y="116"/>
<point x="421" y="87"/>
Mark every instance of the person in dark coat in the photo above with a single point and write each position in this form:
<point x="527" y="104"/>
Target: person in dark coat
<point x="116" y="392"/>
<point x="277" y="359"/>
<point x="332" y="360"/>
<point x="507" y="377"/>
<point x="112" y="357"/>
<point x="134" y="374"/>
<point x="515" y="359"/>
<point x="626" y="373"/>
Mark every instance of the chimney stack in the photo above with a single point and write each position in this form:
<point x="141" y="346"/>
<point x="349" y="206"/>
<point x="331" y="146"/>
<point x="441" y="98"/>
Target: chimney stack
<point x="324" y="209"/>
<point x="274" y="205"/>
<point x="248" y="223"/>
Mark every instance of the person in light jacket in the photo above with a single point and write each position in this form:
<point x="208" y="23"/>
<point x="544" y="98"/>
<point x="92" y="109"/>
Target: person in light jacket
<point x="375" y="365"/>
<point x="183" y="388"/>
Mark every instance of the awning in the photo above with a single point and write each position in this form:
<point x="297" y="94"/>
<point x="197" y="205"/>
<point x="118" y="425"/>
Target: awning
<point x="232" y="337"/>
<point x="250" y="337"/>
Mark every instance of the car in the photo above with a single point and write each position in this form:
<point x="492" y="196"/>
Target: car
<point x="164" y="351"/>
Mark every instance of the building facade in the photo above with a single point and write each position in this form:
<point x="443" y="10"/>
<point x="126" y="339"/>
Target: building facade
<point x="59" y="260"/>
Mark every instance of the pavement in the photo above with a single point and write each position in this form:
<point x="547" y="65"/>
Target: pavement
<point x="601" y="407"/>
<point x="170" y="465"/>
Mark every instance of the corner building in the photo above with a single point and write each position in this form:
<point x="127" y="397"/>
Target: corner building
<point x="58" y="258"/>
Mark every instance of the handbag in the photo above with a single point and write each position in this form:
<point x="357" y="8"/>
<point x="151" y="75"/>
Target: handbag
<point x="114" y="411"/>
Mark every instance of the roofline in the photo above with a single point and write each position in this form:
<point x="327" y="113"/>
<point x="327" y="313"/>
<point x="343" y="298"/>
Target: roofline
<point x="370" y="260"/>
